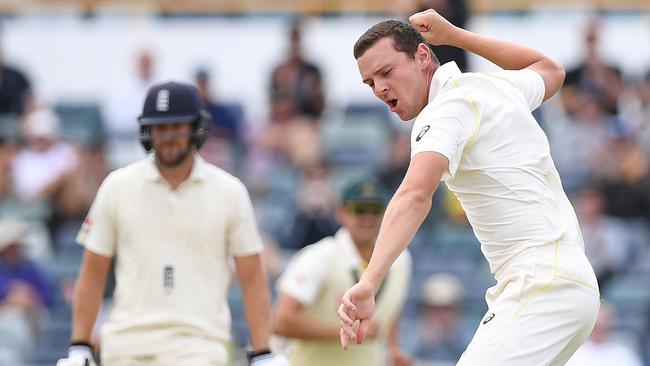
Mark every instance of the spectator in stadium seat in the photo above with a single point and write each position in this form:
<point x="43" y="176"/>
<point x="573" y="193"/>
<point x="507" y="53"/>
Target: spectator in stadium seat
<point x="574" y="155"/>
<point x="40" y="165"/>
<point x="624" y="170"/>
<point x="608" y="241"/>
<point x="24" y="288"/>
<point x="643" y="128"/>
<point x="397" y="162"/>
<point x="439" y="333"/>
<point x="223" y="124"/>
<point x="296" y="84"/>
<point x="7" y="154"/>
<point x="123" y="107"/>
<point x="15" y="88"/>
<point x="594" y="75"/>
<point x="76" y="193"/>
<point x="314" y="216"/>
<point x="297" y="102"/>
<point x="225" y="146"/>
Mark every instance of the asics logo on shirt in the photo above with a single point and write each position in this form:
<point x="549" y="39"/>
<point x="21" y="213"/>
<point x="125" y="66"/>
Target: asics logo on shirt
<point x="422" y="132"/>
<point x="488" y="318"/>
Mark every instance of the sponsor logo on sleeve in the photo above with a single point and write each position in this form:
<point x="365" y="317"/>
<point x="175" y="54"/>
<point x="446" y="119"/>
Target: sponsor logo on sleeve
<point x="85" y="228"/>
<point x="422" y="132"/>
<point x="488" y="318"/>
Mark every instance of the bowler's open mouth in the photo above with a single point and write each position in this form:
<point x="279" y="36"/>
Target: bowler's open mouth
<point x="392" y="103"/>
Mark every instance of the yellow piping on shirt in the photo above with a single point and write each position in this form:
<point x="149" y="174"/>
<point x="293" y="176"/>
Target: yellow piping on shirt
<point x="476" y="124"/>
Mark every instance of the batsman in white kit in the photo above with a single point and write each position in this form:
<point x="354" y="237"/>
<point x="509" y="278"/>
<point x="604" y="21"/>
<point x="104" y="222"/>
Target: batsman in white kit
<point x="171" y="222"/>
<point x="475" y="132"/>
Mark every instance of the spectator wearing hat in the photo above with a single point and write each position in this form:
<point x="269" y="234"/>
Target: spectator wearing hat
<point x="22" y="283"/>
<point x="25" y="293"/>
<point x="440" y="334"/>
<point x="319" y="274"/>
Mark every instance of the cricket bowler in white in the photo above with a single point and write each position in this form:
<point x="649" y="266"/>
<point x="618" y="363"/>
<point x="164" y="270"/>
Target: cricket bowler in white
<point x="476" y="132"/>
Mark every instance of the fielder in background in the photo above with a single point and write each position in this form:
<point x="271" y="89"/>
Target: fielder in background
<point x="475" y="131"/>
<point x="319" y="274"/>
<point x="171" y="222"/>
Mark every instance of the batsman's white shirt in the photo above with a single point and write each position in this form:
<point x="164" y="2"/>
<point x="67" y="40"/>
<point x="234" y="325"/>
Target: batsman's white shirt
<point x="545" y="302"/>
<point x="171" y="249"/>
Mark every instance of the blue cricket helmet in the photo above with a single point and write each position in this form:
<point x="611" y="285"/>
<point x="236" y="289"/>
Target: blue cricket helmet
<point x="173" y="102"/>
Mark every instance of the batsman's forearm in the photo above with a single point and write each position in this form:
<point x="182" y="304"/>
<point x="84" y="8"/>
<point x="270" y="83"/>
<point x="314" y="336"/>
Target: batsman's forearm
<point x="257" y="309"/>
<point x="404" y="215"/>
<point x="508" y="56"/>
<point x="86" y="309"/>
<point x="88" y="295"/>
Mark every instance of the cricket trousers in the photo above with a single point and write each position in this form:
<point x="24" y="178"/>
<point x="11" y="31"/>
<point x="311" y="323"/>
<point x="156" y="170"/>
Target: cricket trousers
<point x="541" y="310"/>
<point x="194" y="354"/>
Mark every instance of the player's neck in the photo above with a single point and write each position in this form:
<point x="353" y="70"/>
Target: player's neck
<point x="176" y="175"/>
<point x="365" y="250"/>
<point x="429" y="78"/>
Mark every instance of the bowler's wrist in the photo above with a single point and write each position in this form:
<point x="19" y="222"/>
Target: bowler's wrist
<point x="370" y="280"/>
<point x="459" y="37"/>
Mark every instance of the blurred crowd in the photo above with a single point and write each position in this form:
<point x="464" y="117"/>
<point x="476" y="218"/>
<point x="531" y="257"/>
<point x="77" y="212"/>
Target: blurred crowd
<point x="53" y="157"/>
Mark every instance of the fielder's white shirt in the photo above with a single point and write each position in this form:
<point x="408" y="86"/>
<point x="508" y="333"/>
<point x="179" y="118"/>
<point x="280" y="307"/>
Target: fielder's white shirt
<point x="171" y="249"/>
<point x="309" y="268"/>
<point x="500" y="166"/>
<point x="318" y="276"/>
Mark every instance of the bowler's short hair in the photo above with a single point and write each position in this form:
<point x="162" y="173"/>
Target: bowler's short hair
<point x="405" y="38"/>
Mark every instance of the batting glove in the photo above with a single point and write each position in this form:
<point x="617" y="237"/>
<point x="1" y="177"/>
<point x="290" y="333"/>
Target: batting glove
<point x="266" y="358"/>
<point x="79" y="354"/>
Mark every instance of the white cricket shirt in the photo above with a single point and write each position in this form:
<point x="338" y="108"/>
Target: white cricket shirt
<point x="500" y="165"/>
<point x="318" y="276"/>
<point x="171" y="249"/>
